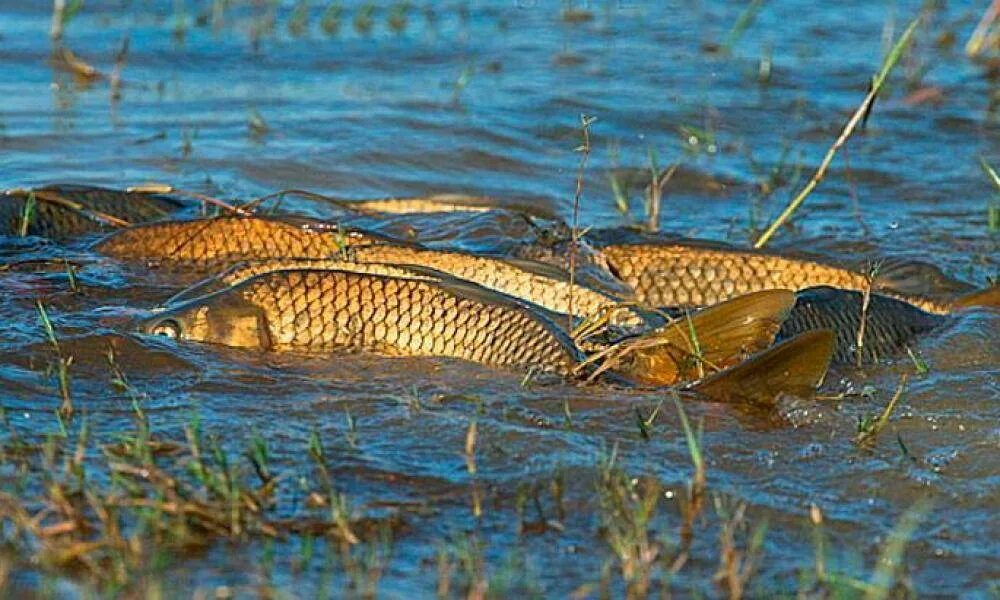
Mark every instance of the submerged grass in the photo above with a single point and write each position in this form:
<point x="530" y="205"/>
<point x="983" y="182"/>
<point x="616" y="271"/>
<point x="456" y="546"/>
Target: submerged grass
<point x="117" y="516"/>
<point x="27" y="214"/>
<point x="171" y="496"/>
<point x="870" y="427"/>
<point x="63" y="363"/>
<point x="993" y="205"/>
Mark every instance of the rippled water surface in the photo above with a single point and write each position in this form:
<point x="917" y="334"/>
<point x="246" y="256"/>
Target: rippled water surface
<point x="486" y="98"/>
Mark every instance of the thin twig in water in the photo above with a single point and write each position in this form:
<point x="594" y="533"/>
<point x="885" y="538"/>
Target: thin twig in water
<point x="116" y="71"/>
<point x="654" y="194"/>
<point x="852" y="189"/>
<point x="157" y="188"/>
<point x="584" y="149"/>
<point x="54" y="198"/>
<point x="868" y="431"/>
<point x="887" y="65"/>
<point x="859" y="340"/>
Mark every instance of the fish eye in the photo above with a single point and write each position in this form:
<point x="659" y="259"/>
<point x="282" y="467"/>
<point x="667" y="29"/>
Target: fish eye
<point x="167" y="328"/>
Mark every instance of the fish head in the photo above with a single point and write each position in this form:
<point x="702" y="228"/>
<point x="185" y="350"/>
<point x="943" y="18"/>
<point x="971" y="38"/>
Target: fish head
<point x="225" y="318"/>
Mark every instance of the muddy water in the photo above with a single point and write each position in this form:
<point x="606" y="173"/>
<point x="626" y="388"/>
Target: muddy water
<point x="486" y="98"/>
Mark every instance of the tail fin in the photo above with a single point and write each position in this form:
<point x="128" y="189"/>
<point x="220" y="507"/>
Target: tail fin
<point x="988" y="297"/>
<point x="795" y="367"/>
<point x="717" y="337"/>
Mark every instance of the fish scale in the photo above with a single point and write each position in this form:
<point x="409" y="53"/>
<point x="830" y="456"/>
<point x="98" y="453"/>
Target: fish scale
<point x="678" y="275"/>
<point x="203" y="244"/>
<point x="55" y="221"/>
<point x="544" y="289"/>
<point x="890" y="325"/>
<point x="338" y="310"/>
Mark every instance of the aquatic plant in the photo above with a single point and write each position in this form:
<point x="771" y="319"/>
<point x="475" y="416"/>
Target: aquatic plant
<point x="860" y="115"/>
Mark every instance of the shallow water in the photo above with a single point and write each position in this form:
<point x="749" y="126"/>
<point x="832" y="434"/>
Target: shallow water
<point x="486" y="98"/>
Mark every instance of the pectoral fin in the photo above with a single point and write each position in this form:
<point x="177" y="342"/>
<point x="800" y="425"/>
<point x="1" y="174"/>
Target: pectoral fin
<point x="795" y="367"/>
<point x="711" y="339"/>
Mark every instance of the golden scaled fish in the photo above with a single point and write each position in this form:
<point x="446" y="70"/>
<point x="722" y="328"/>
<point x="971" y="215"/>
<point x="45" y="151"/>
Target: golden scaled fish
<point x="330" y="310"/>
<point x="435" y="203"/>
<point x="204" y="244"/>
<point x="679" y="274"/>
<point x="61" y="211"/>
<point x="538" y="283"/>
<point x="426" y="315"/>
<point x="446" y="203"/>
<point x="710" y="339"/>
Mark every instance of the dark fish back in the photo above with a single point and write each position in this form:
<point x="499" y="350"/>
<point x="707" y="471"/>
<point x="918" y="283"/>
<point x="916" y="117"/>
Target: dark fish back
<point x="890" y="327"/>
<point x="55" y="221"/>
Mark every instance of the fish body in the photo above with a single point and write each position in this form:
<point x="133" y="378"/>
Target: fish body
<point x="329" y="310"/>
<point x="247" y="270"/>
<point x="220" y="242"/>
<point x="448" y="203"/>
<point x="435" y="203"/>
<point x="686" y="275"/>
<point x="723" y="335"/>
<point x="891" y="326"/>
<point x="538" y="283"/>
<point x="63" y="211"/>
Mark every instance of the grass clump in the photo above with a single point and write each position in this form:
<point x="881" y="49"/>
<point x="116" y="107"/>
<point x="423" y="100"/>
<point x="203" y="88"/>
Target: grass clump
<point x="109" y="514"/>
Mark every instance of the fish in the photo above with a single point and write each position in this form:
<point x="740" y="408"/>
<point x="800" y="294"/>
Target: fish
<point x="434" y="203"/>
<point x="331" y="310"/>
<point x="203" y="245"/>
<point x="687" y="274"/>
<point x="447" y="203"/>
<point x="64" y="211"/>
<point x="398" y="312"/>
<point x="539" y="283"/>
<point x="718" y="336"/>
<point x="891" y="326"/>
